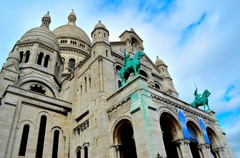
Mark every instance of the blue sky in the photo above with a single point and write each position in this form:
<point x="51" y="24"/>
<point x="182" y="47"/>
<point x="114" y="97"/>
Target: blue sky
<point x="198" y="40"/>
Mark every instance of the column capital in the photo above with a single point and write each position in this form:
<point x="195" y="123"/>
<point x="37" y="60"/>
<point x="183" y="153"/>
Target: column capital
<point x="181" y="141"/>
<point x="218" y="149"/>
<point x="207" y="146"/>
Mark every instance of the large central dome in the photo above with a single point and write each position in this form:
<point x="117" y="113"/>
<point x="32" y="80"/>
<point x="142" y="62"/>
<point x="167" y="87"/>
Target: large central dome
<point x="72" y="31"/>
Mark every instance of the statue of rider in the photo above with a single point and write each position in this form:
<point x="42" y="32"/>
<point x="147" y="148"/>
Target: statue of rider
<point x="126" y="59"/>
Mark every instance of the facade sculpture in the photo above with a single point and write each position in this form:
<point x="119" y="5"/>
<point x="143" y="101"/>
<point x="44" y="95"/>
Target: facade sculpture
<point x="201" y="100"/>
<point x="130" y="65"/>
<point x="61" y="97"/>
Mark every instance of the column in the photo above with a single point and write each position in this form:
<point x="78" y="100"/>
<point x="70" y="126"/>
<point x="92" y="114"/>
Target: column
<point x="101" y="74"/>
<point x="204" y="150"/>
<point x="183" y="148"/>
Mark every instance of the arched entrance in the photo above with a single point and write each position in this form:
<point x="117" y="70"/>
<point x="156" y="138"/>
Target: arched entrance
<point x="124" y="139"/>
<point x="170" y="129"/>
<point x="194" y="134"/>
<point x="214" y="142"/>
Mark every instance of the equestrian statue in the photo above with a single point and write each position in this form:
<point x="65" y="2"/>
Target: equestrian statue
<point x="201" y="100"/>
<point x="130" y="65"/>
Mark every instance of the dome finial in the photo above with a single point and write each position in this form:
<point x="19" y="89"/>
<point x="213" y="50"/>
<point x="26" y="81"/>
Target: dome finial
<point x="46" y="20"/>
<point x="72" y="18"/>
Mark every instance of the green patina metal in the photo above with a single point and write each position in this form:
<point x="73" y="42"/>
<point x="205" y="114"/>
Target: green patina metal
<point x="130" y="65"/>
<point x="201" y="100"/>
<point x="142" y="100"/>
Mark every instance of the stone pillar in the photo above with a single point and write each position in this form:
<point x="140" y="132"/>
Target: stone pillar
<point x="183" y="148"/>
<point x="101" y="74"/>
<point x="219" y="152"/>
<point x="147" y="133"/>
<point x="204" y="150"/>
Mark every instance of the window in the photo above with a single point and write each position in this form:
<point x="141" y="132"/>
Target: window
<point x="37" y="88"/>
<point x="85" y="152"/>
<point x="55" y="144"/>
<point x="85" y="84"/>
<point x="71" y="64"/>
<point x="89" y="82"/>
<point x="41" y="137"/>
<point x="27" y="56"/>
<point x="40" y="56"/>
<point x="119" y="84"/>
<point x="21" y="57"/>
<point x="46" y="61"/>
<point x="106" y="53"/>
<point x="157" y="86"/>
<point x="78" y="153"/>
<point x="23" y="145"/>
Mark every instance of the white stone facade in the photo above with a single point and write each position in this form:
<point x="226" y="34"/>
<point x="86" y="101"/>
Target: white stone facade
<point x="61" y="97"/>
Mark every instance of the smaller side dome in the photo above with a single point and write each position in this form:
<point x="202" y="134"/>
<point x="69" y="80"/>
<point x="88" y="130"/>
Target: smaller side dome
<point x="42" y="34"/>
<point x="159" y="62"/>
<point x="100" y="25"/>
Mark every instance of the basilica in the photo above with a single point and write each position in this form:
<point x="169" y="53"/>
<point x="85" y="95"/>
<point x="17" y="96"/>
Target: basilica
<point x="61" y="96"/>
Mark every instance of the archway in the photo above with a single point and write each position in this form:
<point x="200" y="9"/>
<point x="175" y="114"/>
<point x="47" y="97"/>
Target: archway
<point x="171" y="132"/>
<point x="214" y="142"/>
<point x="124" y="138"/>
<point x="194" y="139"/>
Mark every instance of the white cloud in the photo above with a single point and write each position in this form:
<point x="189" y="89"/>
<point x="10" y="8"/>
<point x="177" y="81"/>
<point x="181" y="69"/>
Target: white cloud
<point x="208" y="57"/>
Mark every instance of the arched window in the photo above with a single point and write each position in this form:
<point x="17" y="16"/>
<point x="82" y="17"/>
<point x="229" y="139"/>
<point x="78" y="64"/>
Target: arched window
<point x="71" y="64"/>
<point x="157" y="86"/>
<point x="85" y="152"/>
<point x="46" y="61"/>
<point x="89" y="79"/>
<point x="106" y="53"/>
<point x="143" y="73"/>
<point x="41" y="136"/>
<point x="78" y="152"/>
<point x="40" y="56"/>
<point x="23" y="145"/>
<point x="119" y="84"/>
<point x="37" y="88"/>
<point x="55" y="144"/>
<point x="86" y="84"/>
<point x="27" y="56"/>
<point x="21" y="56"/>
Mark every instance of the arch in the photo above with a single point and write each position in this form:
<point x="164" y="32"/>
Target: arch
<point x="123" y="137"/>
<point x="40" y="57"/>
<point x="78" y="152"/>
<point x="21" y="56"/>
<point x="71" y="64"/>
<point x="196" y="138"/>
<point x="55" y="144"/>
<point x="214" y="140"/>
<point x="157" y="85"/>
<point x="41" y="81"/>
<point x="86" y="152"/>
<point x="46" y="61"/>
<point x="171" y="131"/>
<point x="27" y="56"/>
<point x="85" y="84"/>
<point x="143" y="73"/>
<point x="41" y="136"/>
<point x="24" y="140"/>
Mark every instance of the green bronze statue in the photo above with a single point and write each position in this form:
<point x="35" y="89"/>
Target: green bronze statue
<point x="201" y="100"/>
<point x="130" y="65"/>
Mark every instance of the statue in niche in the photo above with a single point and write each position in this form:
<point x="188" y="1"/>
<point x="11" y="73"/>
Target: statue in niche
<point x="201" y="100"/>
<point x="130" y="65"/>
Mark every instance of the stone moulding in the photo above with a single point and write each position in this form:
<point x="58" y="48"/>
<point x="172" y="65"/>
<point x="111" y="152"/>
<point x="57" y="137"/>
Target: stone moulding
<point x="80" y="128"/>
<point x="184" y="108"/>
